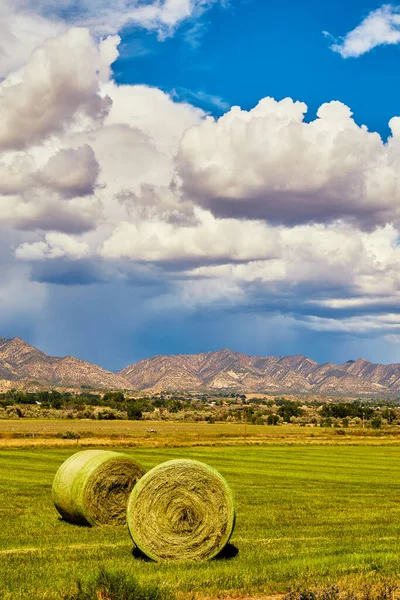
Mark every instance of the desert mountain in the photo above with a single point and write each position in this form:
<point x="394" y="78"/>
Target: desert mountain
<point x="20" y="361"/>
<point x="222" y="370"/>
<point x="289" y="374"/>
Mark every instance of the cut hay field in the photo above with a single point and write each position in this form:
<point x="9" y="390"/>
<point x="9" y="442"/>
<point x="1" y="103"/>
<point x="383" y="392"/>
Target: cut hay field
<point x="49" y="432"/>
<point x="304" y="512"/>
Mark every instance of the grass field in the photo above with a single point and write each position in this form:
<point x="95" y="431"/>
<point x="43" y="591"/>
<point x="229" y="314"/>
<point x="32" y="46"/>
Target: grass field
<point x="326" y="513"/>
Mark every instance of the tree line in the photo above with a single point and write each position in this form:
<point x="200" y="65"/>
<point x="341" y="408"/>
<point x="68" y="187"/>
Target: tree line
<point x="211" y="408"/>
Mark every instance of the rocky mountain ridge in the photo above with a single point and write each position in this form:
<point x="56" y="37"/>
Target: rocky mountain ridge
<point x="213" y="371"/>
<point x="226" y="369"/>
<point x="19" y="361"/>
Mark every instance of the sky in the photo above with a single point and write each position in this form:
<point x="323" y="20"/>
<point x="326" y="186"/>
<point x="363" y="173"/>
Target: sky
<point x="181" y="176"/>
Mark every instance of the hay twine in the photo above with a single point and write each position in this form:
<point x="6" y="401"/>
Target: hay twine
<point x="92" y="487"/>
<point x="181" y="510"/>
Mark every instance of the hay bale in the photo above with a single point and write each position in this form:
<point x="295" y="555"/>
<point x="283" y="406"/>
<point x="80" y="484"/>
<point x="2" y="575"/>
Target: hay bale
<point x="92" y="487"/>
<point x="181" y="510"/>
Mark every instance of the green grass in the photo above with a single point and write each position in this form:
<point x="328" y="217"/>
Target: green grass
<point x="326" y="513"/>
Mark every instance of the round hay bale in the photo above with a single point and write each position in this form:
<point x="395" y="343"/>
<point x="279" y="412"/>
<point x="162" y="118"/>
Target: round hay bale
<point x="181" y="510"/>
<point x="92" y="487"/>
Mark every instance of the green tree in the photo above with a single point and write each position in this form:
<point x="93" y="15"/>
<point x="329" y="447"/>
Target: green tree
<point x="272" y="420"/>
<point x="289" y="409"/>
<point x="389" y="414"/>
<point x="114" y="397"/>
<point x="135" y="410"/>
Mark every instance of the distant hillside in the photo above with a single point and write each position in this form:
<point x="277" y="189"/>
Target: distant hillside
<point x="288" y="374"/>
<point x="20" y="361"/>
<point x="214" y="371"/>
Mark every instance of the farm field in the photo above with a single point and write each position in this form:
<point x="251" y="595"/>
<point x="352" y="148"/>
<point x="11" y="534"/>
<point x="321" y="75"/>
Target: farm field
<point x="49" y="432"/>
<point x="304" y="513"/>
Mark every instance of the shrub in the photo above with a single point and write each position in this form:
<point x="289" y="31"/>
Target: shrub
<point x="70" y="435"/>
<point x="116" y="585"/>
<point x="376" y="423"/>
<point x="107" y="414"/>
<point x="14" y="412"/>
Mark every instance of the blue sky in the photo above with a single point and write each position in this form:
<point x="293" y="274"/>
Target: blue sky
<point x="252" y="49"/>
<point x="140" y="215"/>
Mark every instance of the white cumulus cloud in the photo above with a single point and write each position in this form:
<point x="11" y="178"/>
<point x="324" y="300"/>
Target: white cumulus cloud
<point x="71" y="172"/>
<point x="56" y="245"/>
<point x="268" y="163"/>
<point x="209" y="240"/>
<point x="60" y="83"/>
<point x="26" y="24"/>
<point x="379" y="28"/>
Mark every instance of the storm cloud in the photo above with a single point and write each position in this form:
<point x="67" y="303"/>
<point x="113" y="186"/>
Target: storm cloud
<point x="119" y="190"/>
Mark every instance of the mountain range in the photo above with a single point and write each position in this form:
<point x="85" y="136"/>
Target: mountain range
<point x="217" y="371"/>
<point x="21" y="362"/>
<point x="271" y="374"/>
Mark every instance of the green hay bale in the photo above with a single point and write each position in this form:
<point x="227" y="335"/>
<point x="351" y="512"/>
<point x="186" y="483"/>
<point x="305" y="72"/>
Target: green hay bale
<point x="181" y="510"/>
<point x="92" y="487"/>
